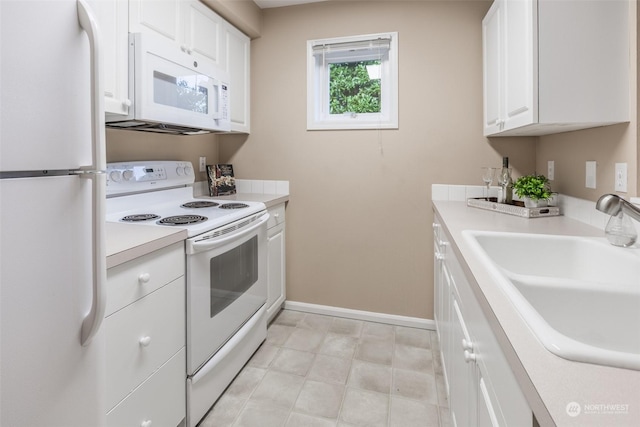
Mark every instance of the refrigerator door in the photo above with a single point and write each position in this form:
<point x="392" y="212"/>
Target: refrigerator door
<point x="47" y="377"/>
<point x="45" y="116"/>
<point x="51" y="227"/>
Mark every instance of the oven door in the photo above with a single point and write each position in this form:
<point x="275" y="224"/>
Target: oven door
<point x="226" y="284"/>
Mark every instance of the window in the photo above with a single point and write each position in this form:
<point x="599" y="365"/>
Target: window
<point x="352" y="82"/>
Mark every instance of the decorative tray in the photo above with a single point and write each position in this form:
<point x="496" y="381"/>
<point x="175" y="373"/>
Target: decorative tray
<point x="517" y="208"/>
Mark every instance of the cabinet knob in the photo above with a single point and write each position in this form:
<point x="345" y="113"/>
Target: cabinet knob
<point x="126" y="103"/>
<point x="440" y="257"/>
<point x="276" y="215"/>
<point x="145" y="341"/>
<point x="146" y="423"/>
<point x="467" y="345"/>
<point x="144" y="278"/>
<point x="469" y="356"/>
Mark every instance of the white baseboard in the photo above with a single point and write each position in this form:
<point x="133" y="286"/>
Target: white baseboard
<point x="369" y="316"/>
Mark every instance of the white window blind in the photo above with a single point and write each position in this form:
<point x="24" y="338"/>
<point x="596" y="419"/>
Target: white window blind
<point x="353" y="50"/>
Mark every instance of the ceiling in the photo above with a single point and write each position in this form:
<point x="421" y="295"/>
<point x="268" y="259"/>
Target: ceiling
<point x="264" y="4"/>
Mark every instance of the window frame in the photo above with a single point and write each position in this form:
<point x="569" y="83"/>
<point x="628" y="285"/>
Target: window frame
<point x="318" y="116"/>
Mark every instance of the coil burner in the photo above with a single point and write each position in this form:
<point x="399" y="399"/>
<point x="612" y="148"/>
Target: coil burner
<point x="139" y="217"/>
<point x="182" y="220"/>
<point x="234" y="206"/>
<point x="199" y="204"/>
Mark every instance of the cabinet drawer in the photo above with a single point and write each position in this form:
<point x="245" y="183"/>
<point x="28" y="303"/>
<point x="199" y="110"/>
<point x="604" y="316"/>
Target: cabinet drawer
<point x="160" y="399"/>
<point x="142" y="337"/>
<point x="276" y="215"/>
<point x="133" y="280"/>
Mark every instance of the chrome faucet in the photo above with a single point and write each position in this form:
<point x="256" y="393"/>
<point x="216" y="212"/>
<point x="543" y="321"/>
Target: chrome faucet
<point x="613" y="205"/>
<point x="619" y="230"/>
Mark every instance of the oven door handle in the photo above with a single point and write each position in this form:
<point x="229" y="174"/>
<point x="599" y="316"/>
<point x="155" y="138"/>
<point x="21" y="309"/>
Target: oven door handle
<point x="212" y="243"/>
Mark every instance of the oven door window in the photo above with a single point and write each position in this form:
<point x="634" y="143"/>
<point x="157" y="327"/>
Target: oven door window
<point x="232" y="273"/>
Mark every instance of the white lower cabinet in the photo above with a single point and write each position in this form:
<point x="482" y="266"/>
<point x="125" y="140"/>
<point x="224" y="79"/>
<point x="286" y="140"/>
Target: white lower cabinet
<point x="482" y="389"/>
<point x="145" y="340"/>
<point x="276" y="254"/>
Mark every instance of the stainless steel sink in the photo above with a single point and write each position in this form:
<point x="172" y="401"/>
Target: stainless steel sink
<point x="580" y="296"/>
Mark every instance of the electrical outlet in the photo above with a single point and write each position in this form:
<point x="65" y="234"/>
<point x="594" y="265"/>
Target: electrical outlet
<point x="203" y="164"/>
<point x="551" y="168"/>
<point x="621" y="177"/>
<point x="590" y="181"/>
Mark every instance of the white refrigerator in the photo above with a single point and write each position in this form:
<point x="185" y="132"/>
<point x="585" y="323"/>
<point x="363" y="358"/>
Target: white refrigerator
<point x="52" y="256"/>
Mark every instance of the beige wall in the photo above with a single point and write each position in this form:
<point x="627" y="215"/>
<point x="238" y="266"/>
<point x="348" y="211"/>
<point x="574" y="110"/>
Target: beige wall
<point x="244" y="14"/>
<point x="124" y="145"/>
<point x="607" y="145"/>
<point x="359" y="220"/>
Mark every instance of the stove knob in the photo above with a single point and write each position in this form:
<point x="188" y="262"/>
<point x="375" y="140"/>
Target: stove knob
<point x="115" y="176"/>
<point x="180" y="170"/>
<point x="188" y="170"/>
<point x="127" y="175"/>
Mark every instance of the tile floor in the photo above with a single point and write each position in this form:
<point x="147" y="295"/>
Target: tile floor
<point x="316" y="371"/>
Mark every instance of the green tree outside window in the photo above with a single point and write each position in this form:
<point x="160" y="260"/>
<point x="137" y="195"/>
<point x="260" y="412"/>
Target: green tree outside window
<point x="351" y="90"/>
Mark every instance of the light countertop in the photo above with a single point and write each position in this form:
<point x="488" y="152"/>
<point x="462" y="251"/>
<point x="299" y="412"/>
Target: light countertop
<point x="126" y="242"/>
<point x="269" y="200"/>
<point x="549" y="382"/>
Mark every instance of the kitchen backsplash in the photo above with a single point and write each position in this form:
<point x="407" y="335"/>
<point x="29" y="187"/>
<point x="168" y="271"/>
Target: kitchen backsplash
<point x="572" y="207"/>
<point x="256" y="186"/>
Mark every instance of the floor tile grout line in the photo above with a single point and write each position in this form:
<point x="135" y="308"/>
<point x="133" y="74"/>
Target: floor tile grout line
<point x="353" y="357"/>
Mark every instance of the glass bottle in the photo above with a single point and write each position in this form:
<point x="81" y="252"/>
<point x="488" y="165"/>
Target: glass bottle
<point x="620" y="230"/>
<point x="506" y="182"/>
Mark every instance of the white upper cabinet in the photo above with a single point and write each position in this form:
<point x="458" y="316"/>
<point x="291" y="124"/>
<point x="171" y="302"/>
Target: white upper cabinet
<point x="554" y="66"/>
<point x="160" y="17"/>
<point x="237" y="64"/>
<point x="113" y="16"/>
<point x="203" y="34"/>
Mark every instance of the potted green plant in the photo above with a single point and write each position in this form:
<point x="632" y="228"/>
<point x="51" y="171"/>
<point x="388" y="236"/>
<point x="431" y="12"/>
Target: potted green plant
<point x="533" y="189"/>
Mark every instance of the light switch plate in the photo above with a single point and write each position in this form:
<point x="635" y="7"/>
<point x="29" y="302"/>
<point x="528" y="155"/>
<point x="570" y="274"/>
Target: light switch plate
<point x="590" y="181"/>
<point x="621" y="177"/>
<point x="551" y="169"/>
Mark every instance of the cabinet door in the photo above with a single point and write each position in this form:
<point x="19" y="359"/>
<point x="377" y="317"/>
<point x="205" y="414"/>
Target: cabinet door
<point x="463" y="390"/>
<point x="160" y="17"/>
<point x="203" y="33"/>
<point x="113" y="18"/>
<point x="486" y="414"/>
<point x="275" y="270"/>
<point x="492" y="67"/>
<point x="520" y="64"/>
<point x="238" y="51"/>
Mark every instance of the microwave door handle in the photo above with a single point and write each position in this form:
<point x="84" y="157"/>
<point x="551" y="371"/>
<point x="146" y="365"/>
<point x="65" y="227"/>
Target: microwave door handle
<point x="96" y="172"/>
<point x="217" y="86"/>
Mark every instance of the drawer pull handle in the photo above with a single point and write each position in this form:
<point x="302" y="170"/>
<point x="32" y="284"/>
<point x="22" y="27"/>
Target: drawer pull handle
<point x="145" y="341"/>
<point x="146" y="423"/>
<point x="144" y="278"/>
<point x="469" y="357"/>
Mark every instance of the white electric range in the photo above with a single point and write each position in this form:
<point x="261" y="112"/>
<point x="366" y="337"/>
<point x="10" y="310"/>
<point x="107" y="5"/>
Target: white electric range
<point x="226" y="266"/>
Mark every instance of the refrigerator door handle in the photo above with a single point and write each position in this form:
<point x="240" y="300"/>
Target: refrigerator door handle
<point x="95" y="172"/>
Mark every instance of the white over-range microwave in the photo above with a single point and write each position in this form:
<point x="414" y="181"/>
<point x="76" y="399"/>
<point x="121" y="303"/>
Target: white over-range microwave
<point x="171" y="92"/>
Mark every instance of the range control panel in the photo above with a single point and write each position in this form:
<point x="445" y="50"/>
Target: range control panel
<point x="142" y="176"/>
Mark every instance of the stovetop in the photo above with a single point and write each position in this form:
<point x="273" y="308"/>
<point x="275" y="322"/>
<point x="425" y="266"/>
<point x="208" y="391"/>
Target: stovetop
<point x="155" y="201"/>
